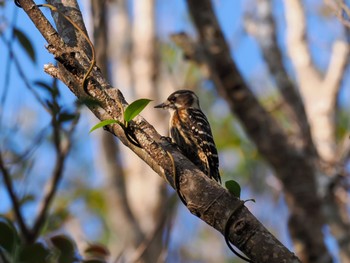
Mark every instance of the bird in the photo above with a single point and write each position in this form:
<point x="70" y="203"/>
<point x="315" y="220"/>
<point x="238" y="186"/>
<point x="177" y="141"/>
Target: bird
<point x="190" y="130"/>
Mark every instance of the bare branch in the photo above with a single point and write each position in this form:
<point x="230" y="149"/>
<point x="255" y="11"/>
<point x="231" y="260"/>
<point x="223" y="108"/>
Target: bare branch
<point x="336" y="69"/>
<point x="320" y="102"/>
<point x="162" y="220"/>
<point x="15" y="203"/>
<point x="340" y="52"/>
<point x="297" y="41"/>
<point x="22" y="74"/>
<point x="341" y="10"/>
<point x="266" y="34"/>
<point x="62" y="149"/>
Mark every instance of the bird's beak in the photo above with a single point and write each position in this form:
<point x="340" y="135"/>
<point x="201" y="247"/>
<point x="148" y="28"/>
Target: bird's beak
<point x="162" y="106"/>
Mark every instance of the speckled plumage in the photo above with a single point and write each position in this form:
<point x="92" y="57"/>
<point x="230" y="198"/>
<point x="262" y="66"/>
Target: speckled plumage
<point x="190" y="130"/>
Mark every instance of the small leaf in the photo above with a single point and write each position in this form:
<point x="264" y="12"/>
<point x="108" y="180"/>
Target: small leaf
<point x="25" y="43"/>
<point x="52" y="89"/>
<point x="234" y="188"/>
<point x="9" y="238"/>
<point x="27" y="198"/>
<point x="66" y="247"/>
<point x="34" y="253"/>
<point x="135" y="108"/>
<point x="102" y="124"/>
<point x="97" y="251"/>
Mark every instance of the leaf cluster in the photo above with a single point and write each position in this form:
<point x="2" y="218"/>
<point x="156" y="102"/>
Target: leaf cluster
<point x="130" y="113"/>
<point x="54" y="249"/>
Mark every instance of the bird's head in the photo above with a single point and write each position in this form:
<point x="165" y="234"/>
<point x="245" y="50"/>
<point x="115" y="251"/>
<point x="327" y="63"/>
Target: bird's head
<point x="181" y="99"/>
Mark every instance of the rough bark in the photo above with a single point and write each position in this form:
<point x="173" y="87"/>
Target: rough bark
<point x="205" y="198"/>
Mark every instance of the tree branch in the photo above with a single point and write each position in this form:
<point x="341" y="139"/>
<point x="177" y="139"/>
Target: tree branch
<point x="13" y="197"/>
<point x="336" y="68"/>
<point x="294" y="168"/>
<point x="206" y="199"/>
<point x="320" y="103"/>
<point x="266" y="34"/>
<point x="62" y="149"/>
<point x="296" y="41"/>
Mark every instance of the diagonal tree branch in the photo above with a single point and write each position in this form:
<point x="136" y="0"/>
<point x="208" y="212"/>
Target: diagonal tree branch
<point x="205" y="198"/>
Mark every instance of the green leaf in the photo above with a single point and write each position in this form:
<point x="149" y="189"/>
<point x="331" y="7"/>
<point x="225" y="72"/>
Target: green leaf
<point x="102" y="124"/>
<point x="25" y="43"/>
<point x="52" y="89"/>
<point x="34" y="253"/>
<point x="66" y="247"/>
<point x="234" y="188"/>
<point x="135" y="108"/>
<point x="26" y="199"/>
<point x="9" y="238"/>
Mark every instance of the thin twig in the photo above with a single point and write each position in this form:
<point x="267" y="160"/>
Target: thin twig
<point x="8" y="65"/>
<point x="142" y="248"/>
<point x="35" y="143"/>
<point x="15" y="203"/>
<point x="22" y="74"/>
<point x="61" y="154"/>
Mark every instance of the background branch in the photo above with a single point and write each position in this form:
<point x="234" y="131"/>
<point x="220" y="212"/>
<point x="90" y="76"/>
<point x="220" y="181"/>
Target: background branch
<point x="122" y="221"/>
<point x="320" y="102"/>
<point x="263" y="27"/>
<point x="13" y="197"/>
<point x="62" y="150"/>
<point x="293" y="167"/>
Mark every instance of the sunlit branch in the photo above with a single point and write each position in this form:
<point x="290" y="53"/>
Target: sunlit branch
<point x="266" y="33"/>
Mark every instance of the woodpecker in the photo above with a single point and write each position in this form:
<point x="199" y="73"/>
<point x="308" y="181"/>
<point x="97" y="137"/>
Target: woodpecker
<point x="190" y="130"/>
